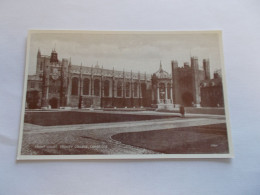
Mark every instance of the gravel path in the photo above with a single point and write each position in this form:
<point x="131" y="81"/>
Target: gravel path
<point x="96" y="138"/>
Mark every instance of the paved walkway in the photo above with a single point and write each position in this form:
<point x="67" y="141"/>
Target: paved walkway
<point x="131" y="112"/>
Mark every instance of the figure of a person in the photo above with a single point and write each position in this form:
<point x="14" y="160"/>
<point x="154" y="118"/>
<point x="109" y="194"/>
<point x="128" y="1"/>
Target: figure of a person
<point x="182" y="111"/>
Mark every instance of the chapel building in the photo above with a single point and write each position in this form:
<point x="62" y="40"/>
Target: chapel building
<point x="60" y="84"/>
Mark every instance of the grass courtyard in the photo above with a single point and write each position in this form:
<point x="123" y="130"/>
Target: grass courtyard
<point x="141" y="134"/>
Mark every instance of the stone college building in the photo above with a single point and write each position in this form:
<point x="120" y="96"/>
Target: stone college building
<point x="60" y="84"/>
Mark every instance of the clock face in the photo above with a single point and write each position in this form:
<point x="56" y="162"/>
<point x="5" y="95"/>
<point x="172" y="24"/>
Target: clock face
<point x="55" y="74"/>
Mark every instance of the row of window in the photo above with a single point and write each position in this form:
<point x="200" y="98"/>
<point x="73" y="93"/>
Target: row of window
<point x="212" y="93"/>
<point x="35" y="85"/>
<point x="86" y="88"/>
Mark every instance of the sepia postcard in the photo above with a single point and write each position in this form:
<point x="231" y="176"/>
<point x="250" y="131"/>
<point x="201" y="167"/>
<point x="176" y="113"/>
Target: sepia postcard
<point x="124" y="95"/>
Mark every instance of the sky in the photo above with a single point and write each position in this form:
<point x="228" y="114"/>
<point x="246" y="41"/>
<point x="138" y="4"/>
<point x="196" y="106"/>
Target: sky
<point x="139" y="52"/>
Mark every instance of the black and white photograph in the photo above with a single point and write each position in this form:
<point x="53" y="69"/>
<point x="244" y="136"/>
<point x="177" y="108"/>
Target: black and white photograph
<point x="124" y="94"/>
<point x="130" y="97"/>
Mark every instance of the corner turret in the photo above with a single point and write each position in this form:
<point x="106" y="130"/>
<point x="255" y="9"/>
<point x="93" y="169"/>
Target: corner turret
<point x="38" y="53"/>
<point x="194" y="63"/>
<point x="54" y="57"/>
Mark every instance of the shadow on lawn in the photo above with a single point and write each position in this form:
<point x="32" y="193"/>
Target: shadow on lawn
<point x="206" y="139"/>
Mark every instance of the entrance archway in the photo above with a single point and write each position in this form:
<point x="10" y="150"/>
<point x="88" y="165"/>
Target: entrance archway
<point x="187" y="99"/>
<point x="54" y="102"/>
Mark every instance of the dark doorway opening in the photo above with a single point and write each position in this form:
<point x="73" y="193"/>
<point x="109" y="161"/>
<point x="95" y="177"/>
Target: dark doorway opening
<point x="54" y="102"/>
<point x="187" y="99"/>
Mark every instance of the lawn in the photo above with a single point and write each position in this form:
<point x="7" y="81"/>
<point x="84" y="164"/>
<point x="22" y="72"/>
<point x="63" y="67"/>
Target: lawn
<point x="74" y="117"/>
<point x="205" y="139"/>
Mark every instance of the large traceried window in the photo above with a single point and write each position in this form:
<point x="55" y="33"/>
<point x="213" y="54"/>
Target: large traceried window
<point x="127" y="89"/>
<point x="96" y="87"/>
<point x="143" y="90"/>
<point x="106" y="88"/>
<point x="135" y="89"/>
<point x="119" y="89"/>
<point x="75" y="84"/>
<point x="86" y="86"/>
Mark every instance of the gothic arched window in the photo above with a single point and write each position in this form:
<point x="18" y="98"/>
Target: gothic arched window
<point x="127" y="88"/>
<point x="75" y="84"/>
<point x="135" y="89"/>
<point x="86" y="86"/>
<point x="119" y="89"/>
<point x="106" y="88"/>
<point x="96" y="87"/>
<point x="143" y="90"/>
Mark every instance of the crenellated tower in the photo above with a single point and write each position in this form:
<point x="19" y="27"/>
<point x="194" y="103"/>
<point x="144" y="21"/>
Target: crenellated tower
<point x="195" y="81"/>
<point x="206" y="68"/>
<point x="40" y="64"/>
<point x="45" y="83"/>
<point x="63" y="81"/>
<point x="54" y="57"/>
<point x="175" y="81"/>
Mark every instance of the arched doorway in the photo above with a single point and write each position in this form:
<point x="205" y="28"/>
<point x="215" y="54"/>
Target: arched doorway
<point x="54" y="102"/>
<point x="187" y="99"/>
